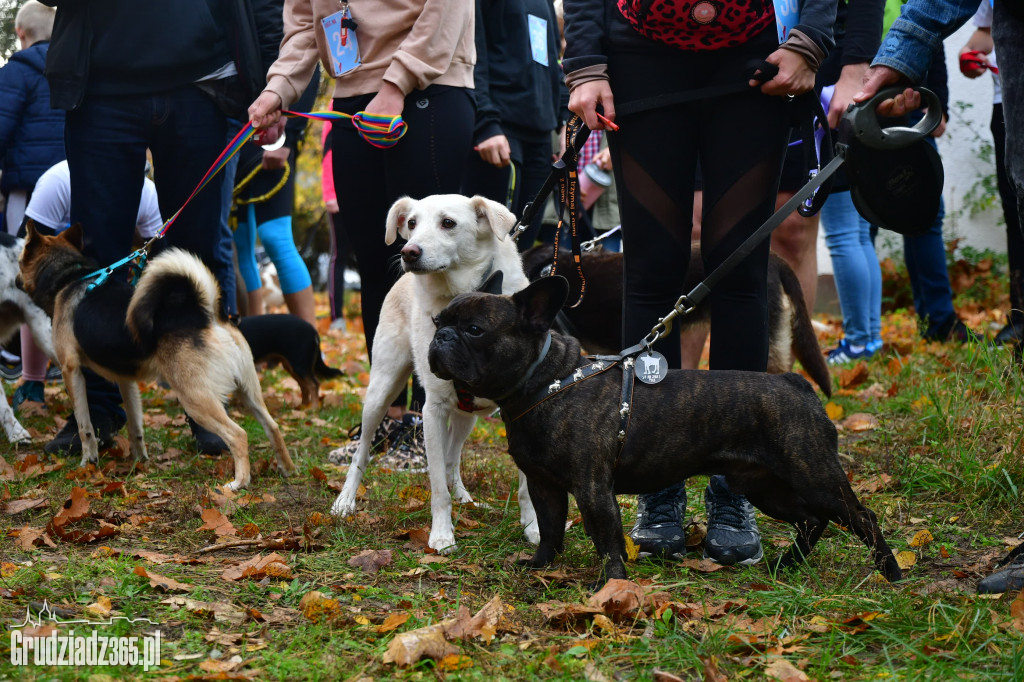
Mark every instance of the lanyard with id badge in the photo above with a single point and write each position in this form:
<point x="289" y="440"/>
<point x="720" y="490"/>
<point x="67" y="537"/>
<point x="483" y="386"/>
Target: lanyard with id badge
<point x="340" y="30"/>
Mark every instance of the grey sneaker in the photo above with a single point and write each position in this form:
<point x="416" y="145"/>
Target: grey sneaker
<point x="1009" y="578"/>
<point x="659" y="522"/>
<point x="732" y="537"/>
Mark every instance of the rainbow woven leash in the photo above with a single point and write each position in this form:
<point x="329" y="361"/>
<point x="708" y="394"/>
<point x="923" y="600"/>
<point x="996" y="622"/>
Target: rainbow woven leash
<point x="383" y="132"/>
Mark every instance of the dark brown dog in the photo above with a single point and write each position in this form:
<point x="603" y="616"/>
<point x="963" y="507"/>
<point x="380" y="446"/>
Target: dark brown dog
<point x="574" y="426"/>
<point x="293" y="343"/>
<point x="597" y="320"/>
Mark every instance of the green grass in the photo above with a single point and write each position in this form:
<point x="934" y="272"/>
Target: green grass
<point x="949" y="437"/>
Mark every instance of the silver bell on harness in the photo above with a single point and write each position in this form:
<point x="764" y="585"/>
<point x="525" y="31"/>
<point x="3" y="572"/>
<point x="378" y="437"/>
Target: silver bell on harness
<point x="895" y="175"/>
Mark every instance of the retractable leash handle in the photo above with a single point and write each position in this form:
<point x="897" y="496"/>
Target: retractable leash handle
<point x="860" y="122"/>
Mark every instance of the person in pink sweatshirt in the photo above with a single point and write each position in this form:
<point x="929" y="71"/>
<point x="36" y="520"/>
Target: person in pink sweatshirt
<point x="412" y="58"/>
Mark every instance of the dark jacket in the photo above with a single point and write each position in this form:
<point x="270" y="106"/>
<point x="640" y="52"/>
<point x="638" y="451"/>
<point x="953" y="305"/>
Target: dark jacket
<point x="595" y="28"/>
<point x="858" y="33"/>
<point x="31" y="133"/>
<point x="514" y="93"/>
<point x="125" y="47"/>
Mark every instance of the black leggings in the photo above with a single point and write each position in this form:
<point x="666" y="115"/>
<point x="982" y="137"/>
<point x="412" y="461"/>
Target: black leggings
<point x="428" y="160"/>
<point x="1014" y="239"/>
<point x="740" y="141"/>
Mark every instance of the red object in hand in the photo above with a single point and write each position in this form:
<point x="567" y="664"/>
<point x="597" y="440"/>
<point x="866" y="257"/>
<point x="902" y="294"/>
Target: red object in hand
<point x="974" y="59"/>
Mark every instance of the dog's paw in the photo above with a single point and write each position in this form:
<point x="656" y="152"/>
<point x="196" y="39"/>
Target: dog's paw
<point x="236" y="485"/>
<point x="442" y="542"/>
<point x="343" y="507"/>
<point x="532" y="533"/>
<point x="286" y="470"/>
<point x="18" y="435"/>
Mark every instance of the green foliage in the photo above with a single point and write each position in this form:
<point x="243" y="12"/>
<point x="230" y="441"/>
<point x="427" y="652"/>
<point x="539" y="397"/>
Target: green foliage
<point x="8" y="41"/>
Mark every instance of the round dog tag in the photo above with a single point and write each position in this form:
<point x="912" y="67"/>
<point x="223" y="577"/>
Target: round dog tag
<point x="651" y="367"/>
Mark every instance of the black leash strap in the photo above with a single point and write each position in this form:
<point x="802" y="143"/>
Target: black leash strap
<point x="688" y="302"/>
<point x="576" y="134"/>
<point x="757" y="69"/>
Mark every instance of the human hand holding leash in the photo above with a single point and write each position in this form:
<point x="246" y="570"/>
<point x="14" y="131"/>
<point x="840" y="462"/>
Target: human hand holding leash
<point x="389" y="101"/>
<point x="876" y="78"/>
<point x="586" y="97"/>
<point x="795" y="76"/>
<point x="849" y="83"/>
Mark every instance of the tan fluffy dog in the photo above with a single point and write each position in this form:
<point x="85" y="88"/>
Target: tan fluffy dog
<point x="168" y="327"/>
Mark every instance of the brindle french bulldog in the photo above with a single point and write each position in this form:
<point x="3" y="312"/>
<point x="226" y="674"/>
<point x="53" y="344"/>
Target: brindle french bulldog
<point x="584" y="426"/>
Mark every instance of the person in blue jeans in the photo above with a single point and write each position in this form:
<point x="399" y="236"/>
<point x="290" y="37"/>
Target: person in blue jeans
<point x="858" y="278"/>
<point x="902" y="58"/>
<point x="131" y="77"/>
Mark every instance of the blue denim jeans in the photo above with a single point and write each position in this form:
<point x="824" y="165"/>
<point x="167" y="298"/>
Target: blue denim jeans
<point x="106" y="139"/>
<point x="855" y="266"/>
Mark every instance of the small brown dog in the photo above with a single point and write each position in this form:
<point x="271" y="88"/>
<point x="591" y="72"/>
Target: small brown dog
<point x="168" y="327"/>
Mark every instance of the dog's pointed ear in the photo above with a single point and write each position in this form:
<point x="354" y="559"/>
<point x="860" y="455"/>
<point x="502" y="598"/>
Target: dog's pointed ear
<point x="493" y="284"/>
<point x="73" y="235"/>
<point x="31" y="234"/>
<point x="491" y="214"/>
<point x="396" y="219"/>
<point x="540" y="302"/>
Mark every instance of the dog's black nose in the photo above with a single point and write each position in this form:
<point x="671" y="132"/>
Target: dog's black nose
<point x="411" y="253"/>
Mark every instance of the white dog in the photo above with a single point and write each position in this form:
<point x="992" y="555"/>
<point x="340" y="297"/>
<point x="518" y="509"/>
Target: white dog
<point x="16" y="308"/>
<point x="454" y="244"/>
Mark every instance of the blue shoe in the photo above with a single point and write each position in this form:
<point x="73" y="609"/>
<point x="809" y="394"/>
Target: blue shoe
<point x="875" y="346"/>
<point x="31" y="391"/>
<point x="844" y="354"/>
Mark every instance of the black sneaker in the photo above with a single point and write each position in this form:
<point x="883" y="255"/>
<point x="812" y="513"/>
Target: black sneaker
<point x="732" y="536"/>
<point x="953" y="331"/>
<point x="1009" y="578"/>
<point x="1013" y="332"/>
<point x="10" y="369"/>
<point x="381" y="441"/>
<point x="68" y="442"/>
<point x="207" y="442"/>
<point x="53" y="373"/>
<point x="659" y="522"/>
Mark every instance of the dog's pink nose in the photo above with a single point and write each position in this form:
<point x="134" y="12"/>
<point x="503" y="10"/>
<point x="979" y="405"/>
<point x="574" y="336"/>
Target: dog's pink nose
<point x="411" y="253"/>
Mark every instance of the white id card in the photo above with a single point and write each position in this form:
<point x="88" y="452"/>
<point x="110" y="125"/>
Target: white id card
<point x="538" y="39"/>
<point x="341" y="42"/>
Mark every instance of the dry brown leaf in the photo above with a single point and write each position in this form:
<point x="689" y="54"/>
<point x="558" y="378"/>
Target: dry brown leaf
<point x="76" y="510"/>
<point x="318" y="608"/>
<point x="854" y="376"/>
<point x="662" y="676"/>
<point x="371" y="560"/>
<point x="215" y="520"/>
<point x="258" y="568"/>
<point x="781" y="669"/>
<point x="409" y="647"/>
<point x="1017" y="611"/>
<point x="453" y="662"/>
<point x="619" y="599"/>
<point x="28" y="537"/>
<point x="222" y="666"/>
<point x="17" y="506"/>
<point x="702" y="565"/>
<point x="162" y="582"/>
<point x="834" y="411"/>
<point x="921" y="538"/>
<point x="567" y="615"/>
<point x="100" y="608"/>
<point x="393" y="622"/>
<point x="860" y="421"/>
<point x="906" y="559"/>
<point x="222" y="612"/>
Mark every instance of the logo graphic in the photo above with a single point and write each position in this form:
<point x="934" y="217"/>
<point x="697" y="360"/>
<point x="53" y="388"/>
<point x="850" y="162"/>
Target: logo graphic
<point x="69" y="649"/>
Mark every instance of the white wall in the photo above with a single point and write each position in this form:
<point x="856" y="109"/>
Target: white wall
<point x="963" y="167"/>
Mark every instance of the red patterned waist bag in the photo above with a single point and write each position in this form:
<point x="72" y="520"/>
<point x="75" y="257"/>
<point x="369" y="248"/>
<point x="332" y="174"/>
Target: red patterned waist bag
<point x="698" y="24"/>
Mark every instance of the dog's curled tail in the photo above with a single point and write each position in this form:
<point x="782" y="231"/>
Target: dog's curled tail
<point x="805" y="341"/>
<point x="176" y="293"/>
